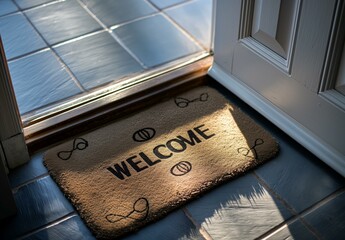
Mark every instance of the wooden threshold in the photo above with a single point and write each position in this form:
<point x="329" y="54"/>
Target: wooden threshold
<point x="105" y="109"/>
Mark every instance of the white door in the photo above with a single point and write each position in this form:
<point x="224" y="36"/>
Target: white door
<point x="282" y="57"/>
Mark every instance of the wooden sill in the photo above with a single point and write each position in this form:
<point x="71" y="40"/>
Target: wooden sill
<point x="116" y="105"/>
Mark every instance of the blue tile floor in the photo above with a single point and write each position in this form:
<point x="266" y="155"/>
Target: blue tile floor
<point x="294" y="196"/>
<point x="94" y="43"/>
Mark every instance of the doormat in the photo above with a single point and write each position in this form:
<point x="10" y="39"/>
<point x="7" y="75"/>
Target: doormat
<point x="136" y="170"/>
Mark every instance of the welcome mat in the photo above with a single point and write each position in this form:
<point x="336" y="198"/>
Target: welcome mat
<point x="133" y="171"/>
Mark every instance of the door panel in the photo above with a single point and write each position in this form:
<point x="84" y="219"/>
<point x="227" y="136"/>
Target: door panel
<point x="265" y="24"/>
<point x="280" y="74"/>
<point x="268" y="30"/>
<point x="313" y="33"/>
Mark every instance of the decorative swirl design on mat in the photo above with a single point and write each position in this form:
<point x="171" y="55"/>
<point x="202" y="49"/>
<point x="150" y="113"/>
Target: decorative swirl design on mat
<point x="181" y="168"/>
<point x="78" y="144"/>
<point x="140" y="212"/>
<point x="143" y="135"/>
<point x="245" y="151"/>
<point x="184" y="102"/>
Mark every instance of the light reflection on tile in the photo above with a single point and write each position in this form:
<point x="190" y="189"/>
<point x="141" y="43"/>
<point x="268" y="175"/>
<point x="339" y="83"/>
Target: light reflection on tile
<point x="18" y="36"/>
<point x="112" y="12"/>
<point x="39" y="79"/>
<point x="7" y="6"/>
<point x="166" y="3"/>
<point x="196" y="18"/>
<point x="72" y="228"/>
<point x="62" y="21"/>
<point x="155" y="40"/>
<point x="97" y="59"/>
<point x="295" y="230"/>
<point x="30" y="3"/>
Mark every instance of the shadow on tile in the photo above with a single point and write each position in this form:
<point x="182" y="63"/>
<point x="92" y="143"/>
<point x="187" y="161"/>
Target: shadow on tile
<point x="38" y="204"/>
<point x="28" y="171"/>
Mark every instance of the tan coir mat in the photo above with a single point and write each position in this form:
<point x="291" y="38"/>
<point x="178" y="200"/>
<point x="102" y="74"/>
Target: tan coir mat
<point x="131" y="172"/>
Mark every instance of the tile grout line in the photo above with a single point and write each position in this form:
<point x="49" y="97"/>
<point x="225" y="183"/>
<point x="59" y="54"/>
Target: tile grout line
<point x="86" y="35"/>
<point x="48" y="225"/>
<point x="322" y="202"/>
<point x="283" y="225"/>
<point x="119" y="41"/>
<point x="110" y="30"/>
<point x="276" y="229"/>
<point x="300" y="216"/>
<point x="28" y="54"/>
<point x="21" y="10"/>
<point x="317" y="205"/>
<point x="37" y="6"/>
<point x="280" y="226"/>
<point x="270" y="190"/>
<point x="171" y="6"/>
<point x="297" y="216"/>
<point x="105" y="28"/>
<point x="113" y="27"/>
<point x="65" y="66"/>
<point x="180" y="28"/>
<point x="112" y="34"/>
<point x="10" y="13"/>
<point x="200" y="228"/>
<point x="48" y="46"/>
<point x="183" y="31"/>
<point x="31" y="180"/>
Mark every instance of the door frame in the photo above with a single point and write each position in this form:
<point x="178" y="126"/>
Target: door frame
<point x="12" y="141"/>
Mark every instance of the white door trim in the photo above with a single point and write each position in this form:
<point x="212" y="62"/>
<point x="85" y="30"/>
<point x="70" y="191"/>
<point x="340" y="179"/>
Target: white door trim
<point x="278" y="117"/>
<point x="12" y="141"/>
